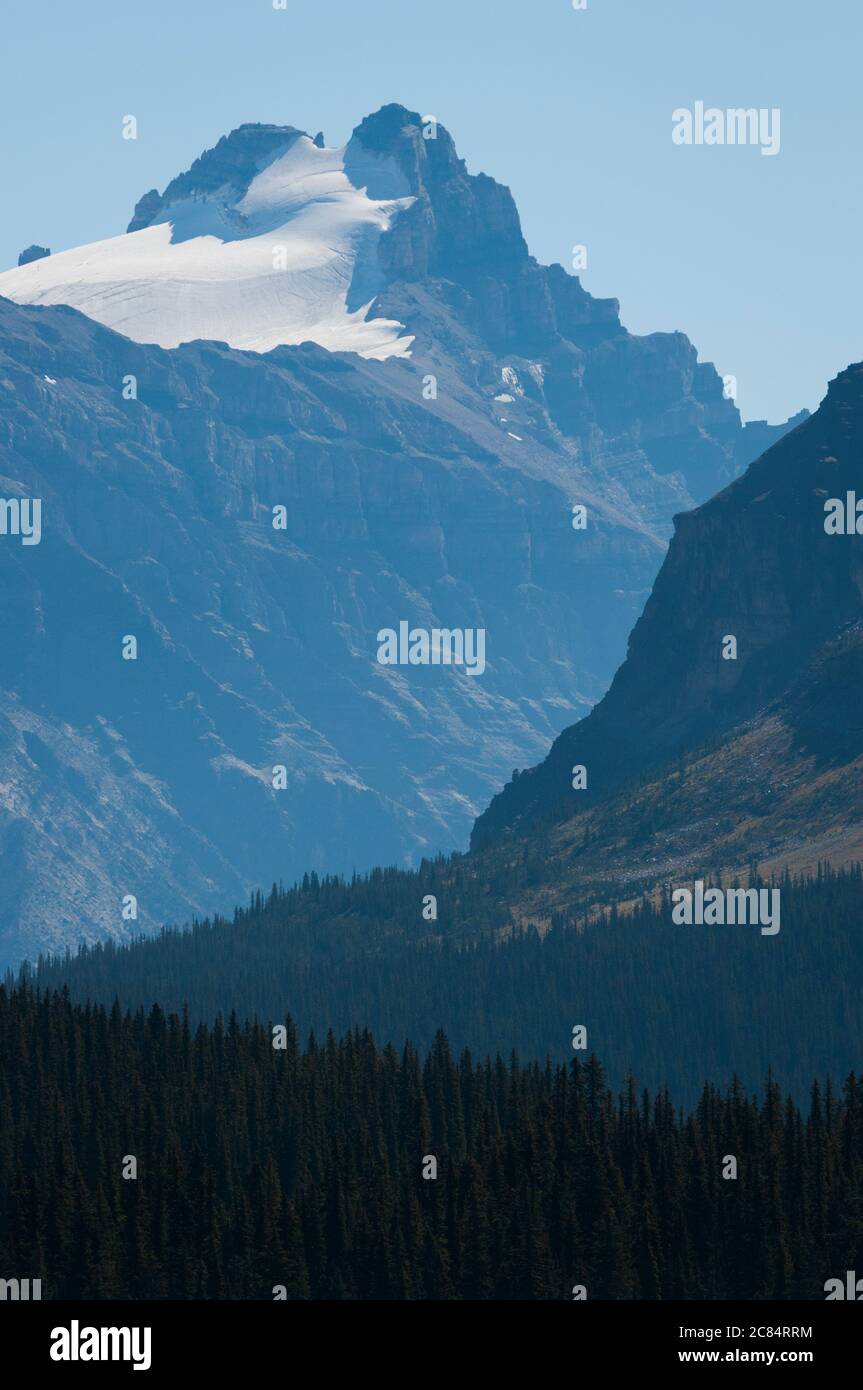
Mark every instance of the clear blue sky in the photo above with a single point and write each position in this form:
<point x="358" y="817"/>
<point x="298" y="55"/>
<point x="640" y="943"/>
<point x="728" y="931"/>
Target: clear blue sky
<point x="757" y="259"/>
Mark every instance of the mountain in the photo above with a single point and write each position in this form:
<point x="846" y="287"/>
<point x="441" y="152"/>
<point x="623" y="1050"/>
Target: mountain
<point x="738" y="773"/>
<point x="759" y="563"/>
<point x="255" y="519"/>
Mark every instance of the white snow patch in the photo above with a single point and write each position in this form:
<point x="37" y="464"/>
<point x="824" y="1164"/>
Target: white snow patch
<point x="211" y="267"/>
<point x="509" y="377"/>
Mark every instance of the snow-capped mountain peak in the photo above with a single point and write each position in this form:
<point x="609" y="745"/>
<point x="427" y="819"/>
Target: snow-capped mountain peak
<point x="270" y="238"/>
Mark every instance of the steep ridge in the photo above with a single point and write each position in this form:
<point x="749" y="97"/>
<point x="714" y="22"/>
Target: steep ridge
<point x="754" y="564"/>
<point x="435" y="488"/>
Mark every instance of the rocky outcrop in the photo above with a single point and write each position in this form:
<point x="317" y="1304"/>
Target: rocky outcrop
<point x="465" y="229"/>
<point x="33" y="253"/>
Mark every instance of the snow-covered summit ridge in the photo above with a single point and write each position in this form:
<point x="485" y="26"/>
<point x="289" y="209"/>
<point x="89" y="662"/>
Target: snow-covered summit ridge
<point x="269" y="239"/>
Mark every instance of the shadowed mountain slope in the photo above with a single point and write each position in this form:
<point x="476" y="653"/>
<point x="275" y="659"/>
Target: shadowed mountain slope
<point x="757" y="564"/>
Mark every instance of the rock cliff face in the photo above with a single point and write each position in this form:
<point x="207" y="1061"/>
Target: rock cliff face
<point x="437" y="489"/>
<point x="756" y="565"/>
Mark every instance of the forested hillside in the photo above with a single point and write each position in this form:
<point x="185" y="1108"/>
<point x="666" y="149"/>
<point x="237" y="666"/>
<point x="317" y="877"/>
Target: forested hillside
<point x="675" y="1005"/>
<point x="259" y="1169"/>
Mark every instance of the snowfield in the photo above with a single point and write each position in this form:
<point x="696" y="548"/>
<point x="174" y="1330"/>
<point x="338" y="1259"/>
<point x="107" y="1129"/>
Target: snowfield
<point x="290" y="259"/>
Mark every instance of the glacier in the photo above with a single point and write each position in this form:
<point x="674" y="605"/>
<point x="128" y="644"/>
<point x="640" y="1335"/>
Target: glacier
<point x="291" y="258"/>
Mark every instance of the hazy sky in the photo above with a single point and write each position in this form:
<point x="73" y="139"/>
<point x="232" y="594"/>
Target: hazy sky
<point x="756" y="258"/>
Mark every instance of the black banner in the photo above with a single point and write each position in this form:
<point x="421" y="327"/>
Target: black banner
<point x="163" y="1339"/>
